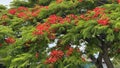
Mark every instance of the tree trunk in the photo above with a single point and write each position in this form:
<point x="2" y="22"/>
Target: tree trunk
<point x="106" y="57"/>
<point x="108" y="62"/>
<point x="104" y="47"/>
<point x="98" y="62"/>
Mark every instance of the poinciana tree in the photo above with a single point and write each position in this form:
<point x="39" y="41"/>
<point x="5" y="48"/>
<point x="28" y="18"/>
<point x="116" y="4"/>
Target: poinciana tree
<point x="28" y="34"/>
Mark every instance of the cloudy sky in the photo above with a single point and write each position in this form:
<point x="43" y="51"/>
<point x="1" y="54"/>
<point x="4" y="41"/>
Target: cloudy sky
<point x="5" y="2"/>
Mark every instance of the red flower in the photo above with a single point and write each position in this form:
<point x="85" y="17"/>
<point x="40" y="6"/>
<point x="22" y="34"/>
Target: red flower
<point x="51" y="60"/>
<point x="82" y="16"/>
<point x="10" y="40"/>
<point x="72" y="16"/>
<point x="52" y="19"/>
<point x="118" y="1"/>
<point x="12" y="11"/>
<point x="22" y="15"/>
<point x="67" y="19"/>
<point x="35" y="13"/>
<point x="4" y="17"/>
<point x="57" y="53"/>
<point x="96" y="14"/>
<point x="103" y="21"/>
<point x="22" y="8"/>
<point x="41" y="28"/>
<point x="46" y="7"/>
<point x="70" y="51"/>
<point x="98" y="11"/>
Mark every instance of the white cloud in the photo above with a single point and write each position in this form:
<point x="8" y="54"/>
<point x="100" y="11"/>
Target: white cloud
<point x="5" y="2"/>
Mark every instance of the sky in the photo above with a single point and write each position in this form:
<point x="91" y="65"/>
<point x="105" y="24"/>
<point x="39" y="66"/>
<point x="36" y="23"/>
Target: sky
<point x="5" y="2"/>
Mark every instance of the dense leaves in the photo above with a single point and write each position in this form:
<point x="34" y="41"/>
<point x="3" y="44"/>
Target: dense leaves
<point x="52" y="33"/>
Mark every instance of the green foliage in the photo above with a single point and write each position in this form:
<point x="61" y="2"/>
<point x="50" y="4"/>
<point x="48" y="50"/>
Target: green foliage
<point x="2" y="7"/>
<point x="33" y="50"/>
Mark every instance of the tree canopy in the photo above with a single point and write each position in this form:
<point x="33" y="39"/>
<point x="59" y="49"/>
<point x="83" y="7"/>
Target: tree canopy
<point x="50" y="33"/>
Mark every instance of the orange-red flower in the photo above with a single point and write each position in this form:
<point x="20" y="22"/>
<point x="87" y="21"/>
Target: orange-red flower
<point x="22" y="15"/>
<point x="72" y="16"/>
<point x="35" y="13"/>
<point x="12" y="11"/>
<point x="46" y="7"/>
<point x="66" y="19"/>
<point x="41" y="28"/>
<point x="118" y="1"/>
<point x="103" y="21"/>
<point x="57" y="53"/>
<point x="4" y="17"/>
<point x="69" y="51"/>
<point x="22" y="8"/>
<point x="82" y="16"/>
<point x="9" y="40"/>
<point x="51" y="60"/>
<point x="52" y="19"/>
<point x="98" y="11"/>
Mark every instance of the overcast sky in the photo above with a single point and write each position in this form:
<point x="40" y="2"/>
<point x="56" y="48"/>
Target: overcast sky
<point x="5" y="2"/>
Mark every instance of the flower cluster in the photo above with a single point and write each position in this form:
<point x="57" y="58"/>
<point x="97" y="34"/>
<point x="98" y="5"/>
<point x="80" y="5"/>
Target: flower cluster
<point x="103" y="21"/>
<point x="4" y="17"/>
<point x="55" y="55"/>
<point x="41" y="28"/>
<point x="118" y="1"/>
<point x="25" y="13"/>
<point x="99" y="15"/>
<point x="10" y="40"/>
<point x="59" y="1"/>
<point x="52" y="19"/>
<point x="69" y="51"/>
<point x="22" y="15"/>
<point x="98" y="11"/>
<point x="12" y="11"/>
